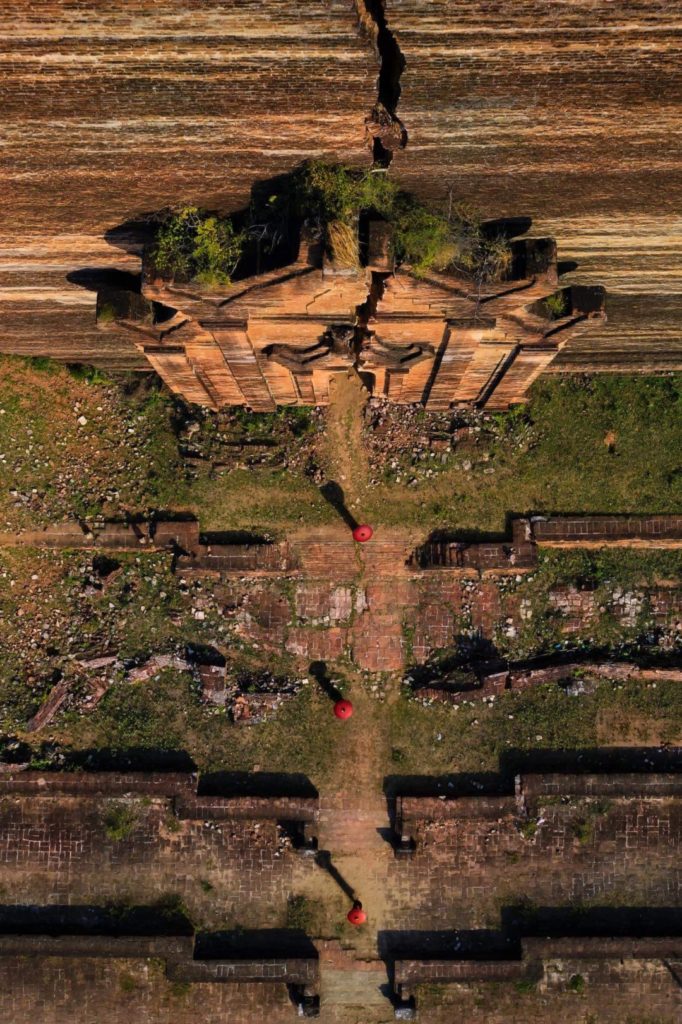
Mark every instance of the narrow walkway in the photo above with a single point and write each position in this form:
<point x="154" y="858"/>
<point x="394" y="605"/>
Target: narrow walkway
<point x="354" y="820"/>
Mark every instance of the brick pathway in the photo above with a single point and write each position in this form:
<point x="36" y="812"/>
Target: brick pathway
<point x="367" y="602"/>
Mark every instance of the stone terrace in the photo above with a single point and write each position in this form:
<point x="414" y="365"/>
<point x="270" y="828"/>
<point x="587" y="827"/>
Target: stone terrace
<point x="395" y="600"/>
<point x="54" y="848"/>
<point x="464" y="873"/>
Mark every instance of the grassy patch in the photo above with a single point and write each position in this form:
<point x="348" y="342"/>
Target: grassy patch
<point x="553" y="457"/>
<point x="301" y="913"/>
<point x="165" y="714"/>
<point x="193" y="244"/>
<point x="577" y="984"/>
<point x="477" y="738"/>
<point x="74" y="444"/>
<point x="120" y="820"/>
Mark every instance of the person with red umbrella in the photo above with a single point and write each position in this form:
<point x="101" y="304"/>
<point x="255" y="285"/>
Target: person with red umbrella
<point x="343" y="709"/>
<point x="356" y="914"/>
<point x="363" y="533"/>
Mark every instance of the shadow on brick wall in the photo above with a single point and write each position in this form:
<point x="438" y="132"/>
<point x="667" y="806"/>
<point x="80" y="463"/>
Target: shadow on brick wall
<point x="268" y="784"/>
<point x="591" y="759"/>
<point x="91" y="920"/>
<point x="262" y="944"/>
<point x="525" y="919"/>
<point x="130" y="759"/>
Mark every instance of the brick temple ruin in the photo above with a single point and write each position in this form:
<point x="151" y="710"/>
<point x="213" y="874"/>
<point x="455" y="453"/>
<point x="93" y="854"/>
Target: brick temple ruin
<point x="278" y="338"/>
<point x="80" y="903"/>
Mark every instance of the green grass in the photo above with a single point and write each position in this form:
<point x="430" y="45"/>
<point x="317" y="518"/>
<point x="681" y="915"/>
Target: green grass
<point x="191" y="243"/>
<point x="119" y="821"/>
<point x="301" y="913"/>
<point x="475" y="738"/>
<point x="165" y="714"/>
<point x="54" y="466"/>
<point x="577" y="984"/>
<point x="553" y="457"/>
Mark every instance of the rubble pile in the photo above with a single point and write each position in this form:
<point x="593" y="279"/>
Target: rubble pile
<point x="408" y="445"/>
<point x="232" y="440"/>
<point x="258" y="696"/>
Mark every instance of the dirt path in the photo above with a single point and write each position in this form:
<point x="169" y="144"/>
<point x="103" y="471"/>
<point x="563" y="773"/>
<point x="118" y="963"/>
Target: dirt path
<point x="345" y="458"/>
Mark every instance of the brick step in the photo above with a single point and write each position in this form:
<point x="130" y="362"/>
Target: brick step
<point x="352" y="988"/>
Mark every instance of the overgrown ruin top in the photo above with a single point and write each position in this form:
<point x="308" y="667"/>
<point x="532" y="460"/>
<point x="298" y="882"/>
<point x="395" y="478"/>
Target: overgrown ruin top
<point x="277" y="338"/>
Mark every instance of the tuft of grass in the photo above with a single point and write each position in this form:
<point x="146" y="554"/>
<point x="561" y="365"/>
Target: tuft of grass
<point x="90" y="374"/>
<point x="577" y="984"/>
<point x="180" y="989"/>
<point x="343" y="244"/>
<point x="300" y="913"/>
<point x="322" y="194"/>
<point x="106" y="314"/>
<point x="119" y="821"/>
<point x="555" y="305"/>
<point x="528" y="829"/>
<point x="192" y="243"/>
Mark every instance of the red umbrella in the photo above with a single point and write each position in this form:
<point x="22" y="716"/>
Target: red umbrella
<point x="356" y="916"/>
<point x="343" y="709"/>
<point x="362" y="533"/>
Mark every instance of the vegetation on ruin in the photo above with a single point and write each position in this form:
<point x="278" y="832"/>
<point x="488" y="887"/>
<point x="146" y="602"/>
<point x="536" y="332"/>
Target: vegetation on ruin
<point x="193" y="244"/>
<point x="483" y="736"/>
<point x="426" y="239"/>
<point x="120" y="820"/>
<point x="555" y="305"/>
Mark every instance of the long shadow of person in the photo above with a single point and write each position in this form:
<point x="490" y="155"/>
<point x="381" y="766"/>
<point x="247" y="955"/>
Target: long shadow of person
<point x="318" y="670"/>
<point x="323" y="859"/>
<point x="333" y="493"/>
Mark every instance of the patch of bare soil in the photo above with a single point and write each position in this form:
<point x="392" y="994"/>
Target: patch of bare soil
<point x="623" y="728"/>
<point x="345" y="455"/>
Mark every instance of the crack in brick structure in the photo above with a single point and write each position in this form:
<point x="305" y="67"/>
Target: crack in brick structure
<point x="277" y="338"/>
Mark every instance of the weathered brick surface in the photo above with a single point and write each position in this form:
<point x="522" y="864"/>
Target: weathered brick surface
<point x="286" y="971"/>
<point x="55" y="991"/>
<point x="466" y="867"/>
<point x="633" y="991"/>
<point x="55" y="849"/>
<point x="486" y="94"/>
<point x="409" y="973"/>
<point x="606" y="529"/>
<point x="388" y="613"/>
<point x="115" y="110"/>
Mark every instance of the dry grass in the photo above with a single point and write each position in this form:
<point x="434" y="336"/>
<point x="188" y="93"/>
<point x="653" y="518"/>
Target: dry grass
<point x="343" y="244"/>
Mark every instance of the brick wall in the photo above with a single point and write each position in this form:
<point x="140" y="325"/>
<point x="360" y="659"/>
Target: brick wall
<point x="533" y="788"/>
<point x="410" y="973"/>
<point x="146" y="106"/>
<point x="179" y="787"/>
<point x="294" y="971"/>
<point x="177" y="951"/>
<point x="619" y="784"/>
<point x="579" y="530"/>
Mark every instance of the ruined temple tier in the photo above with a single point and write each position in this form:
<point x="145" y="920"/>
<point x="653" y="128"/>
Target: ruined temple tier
<point x="277" y="338"/>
